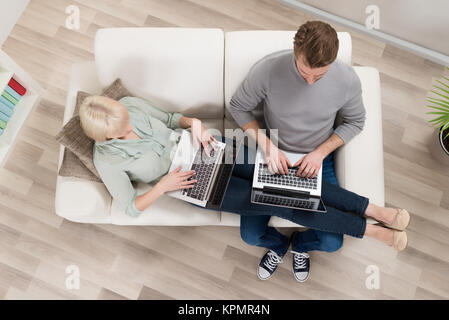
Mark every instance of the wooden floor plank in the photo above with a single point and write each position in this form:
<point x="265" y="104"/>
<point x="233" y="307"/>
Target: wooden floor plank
<point x="127" y="262"/>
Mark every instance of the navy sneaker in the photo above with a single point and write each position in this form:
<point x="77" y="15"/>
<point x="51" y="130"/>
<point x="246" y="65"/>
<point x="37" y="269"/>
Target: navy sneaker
<point x="301" y="265"/>
<point x="300" y="262"/>
<point x="268" y="265"/>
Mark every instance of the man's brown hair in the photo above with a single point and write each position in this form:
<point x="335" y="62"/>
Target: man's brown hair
<point x="318" y="42"/>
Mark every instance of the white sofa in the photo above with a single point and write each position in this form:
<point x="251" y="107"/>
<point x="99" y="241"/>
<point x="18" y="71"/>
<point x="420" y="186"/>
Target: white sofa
<point x="196" y="71"/>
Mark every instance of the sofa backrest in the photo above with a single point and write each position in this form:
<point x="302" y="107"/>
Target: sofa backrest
<point x="180" y="69"/>
<point x="244" y="48"/>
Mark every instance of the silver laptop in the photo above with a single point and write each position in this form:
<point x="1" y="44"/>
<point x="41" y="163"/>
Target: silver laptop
<point x="286" y="190"/>
<point x="212" y="171"/>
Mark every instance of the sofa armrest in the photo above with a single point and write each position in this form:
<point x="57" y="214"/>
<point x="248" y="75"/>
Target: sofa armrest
<point x="77" y="199"/>
<point x="83" y="78"/>
<point x="359" y="165"/>
<point x="80" y="200"/>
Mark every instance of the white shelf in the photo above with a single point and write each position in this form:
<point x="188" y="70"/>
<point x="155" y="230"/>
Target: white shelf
<point x="21" y="111"/>
<point x="8" y="68"/>
<point x="5" y="76"/>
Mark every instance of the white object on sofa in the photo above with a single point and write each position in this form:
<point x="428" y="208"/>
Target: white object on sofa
<point x="181" y="69"/>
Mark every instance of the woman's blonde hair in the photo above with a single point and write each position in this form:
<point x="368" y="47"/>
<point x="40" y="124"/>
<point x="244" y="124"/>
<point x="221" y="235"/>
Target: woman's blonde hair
<point x="102" y="117"/>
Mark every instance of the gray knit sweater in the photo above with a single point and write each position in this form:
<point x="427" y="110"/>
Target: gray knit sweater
<point x="303" y="114"/>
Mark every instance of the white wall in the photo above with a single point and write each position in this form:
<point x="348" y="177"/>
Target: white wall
<point x="419" y="26"/>
<point x="421" y="22"/>
<point x="10" y="12"/>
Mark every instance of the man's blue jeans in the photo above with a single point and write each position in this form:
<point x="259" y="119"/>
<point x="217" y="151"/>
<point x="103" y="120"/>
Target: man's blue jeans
<point x="345" y="211"/>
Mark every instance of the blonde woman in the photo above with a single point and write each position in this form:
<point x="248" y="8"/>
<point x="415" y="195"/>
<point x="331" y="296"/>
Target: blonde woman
<point x="135" y="141"/>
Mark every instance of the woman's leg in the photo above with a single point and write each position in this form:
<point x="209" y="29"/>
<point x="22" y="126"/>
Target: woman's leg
<point x="331" y="192"/>
<point x="342" y="199"/>
<point x="361" y="206"/>
<point x="382" y="214"/>
<point x="380" y="233"/>
<point x="386" y="215"/>
<point x="238" y="200"/>
<point x="244" y="163"/>
<point x="244" y="169"/>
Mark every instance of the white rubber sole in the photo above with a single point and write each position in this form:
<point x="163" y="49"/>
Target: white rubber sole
<point x="301" y="281"/>
<point x="263" y="279"/>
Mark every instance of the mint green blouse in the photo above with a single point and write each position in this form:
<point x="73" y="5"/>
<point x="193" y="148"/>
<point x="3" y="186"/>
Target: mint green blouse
<point x="119" y="161"/>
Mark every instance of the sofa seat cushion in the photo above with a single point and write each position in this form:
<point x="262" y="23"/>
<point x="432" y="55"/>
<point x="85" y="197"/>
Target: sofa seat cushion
<point x="165" y="211"/>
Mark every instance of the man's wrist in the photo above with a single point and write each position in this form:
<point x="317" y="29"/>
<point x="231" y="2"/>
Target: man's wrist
<point x="322" y="153"/>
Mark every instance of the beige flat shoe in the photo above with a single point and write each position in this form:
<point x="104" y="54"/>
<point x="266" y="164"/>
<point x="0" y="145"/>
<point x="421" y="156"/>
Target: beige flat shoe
<point x="400" y="240"/>
<point x="401" y="221"/>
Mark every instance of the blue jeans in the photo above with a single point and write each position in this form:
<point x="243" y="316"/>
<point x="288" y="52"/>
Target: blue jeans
<point x="345" y="212"/>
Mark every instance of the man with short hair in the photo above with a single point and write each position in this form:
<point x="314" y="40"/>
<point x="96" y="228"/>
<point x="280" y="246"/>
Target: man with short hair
<point x="302" y="92"/>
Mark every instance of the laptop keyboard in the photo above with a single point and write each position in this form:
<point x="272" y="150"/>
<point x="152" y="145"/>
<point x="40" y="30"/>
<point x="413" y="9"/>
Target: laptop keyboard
<point x="278" y="201"/>
<point x="204" y="168"/>
<point x="290" y="179"/>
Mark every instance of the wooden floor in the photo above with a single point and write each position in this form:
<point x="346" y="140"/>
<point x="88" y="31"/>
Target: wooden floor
<point x="119" y="262"/>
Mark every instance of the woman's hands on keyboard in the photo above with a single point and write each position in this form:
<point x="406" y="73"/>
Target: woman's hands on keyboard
<point x="201" y="136"/>
<point x="176" y="180"/>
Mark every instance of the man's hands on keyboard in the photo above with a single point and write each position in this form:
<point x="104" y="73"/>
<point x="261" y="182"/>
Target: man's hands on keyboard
<point x="277" y="161"/>
<point x="288" y="180"/>
<point x="309" y="165"/>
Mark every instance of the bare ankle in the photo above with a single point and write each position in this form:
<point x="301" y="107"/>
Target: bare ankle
<point x="388" y="236"/>
<point x="380" y="233"/>
<point x="372" y="211"/>
<point x="369" y="210"/>
<point x="382" y="214"/>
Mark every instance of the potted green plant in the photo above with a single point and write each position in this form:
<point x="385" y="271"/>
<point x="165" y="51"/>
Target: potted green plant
<point x="440" y="106"/>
